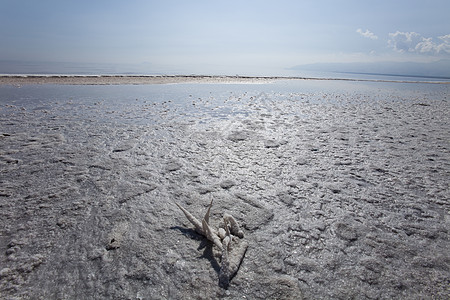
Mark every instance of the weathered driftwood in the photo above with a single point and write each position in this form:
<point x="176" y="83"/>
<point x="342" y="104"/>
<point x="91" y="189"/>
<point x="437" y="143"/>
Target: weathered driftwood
<point x="232" y="253"/>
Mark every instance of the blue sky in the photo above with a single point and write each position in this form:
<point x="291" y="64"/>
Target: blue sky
<point x="222" y="37"/>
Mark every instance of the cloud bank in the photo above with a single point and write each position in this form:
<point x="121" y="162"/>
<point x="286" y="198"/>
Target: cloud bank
<point x="415" y="43"/>
<point x="367" y="34"/>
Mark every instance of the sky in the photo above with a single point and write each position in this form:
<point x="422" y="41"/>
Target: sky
<point x="220" y="37"/>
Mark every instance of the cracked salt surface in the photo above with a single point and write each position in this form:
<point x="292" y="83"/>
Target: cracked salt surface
<point x="342" y="190"/>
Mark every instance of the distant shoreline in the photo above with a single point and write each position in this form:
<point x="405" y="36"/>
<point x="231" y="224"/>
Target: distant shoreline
<point x="166" y="79"/>
<point x="398" y="75"/>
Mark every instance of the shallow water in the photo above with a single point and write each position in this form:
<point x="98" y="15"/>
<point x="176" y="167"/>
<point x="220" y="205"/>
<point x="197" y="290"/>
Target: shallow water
<point x="341" y="188"/>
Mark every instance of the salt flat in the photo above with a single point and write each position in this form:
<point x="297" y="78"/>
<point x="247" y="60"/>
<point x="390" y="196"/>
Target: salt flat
<point x="342" y="189"/>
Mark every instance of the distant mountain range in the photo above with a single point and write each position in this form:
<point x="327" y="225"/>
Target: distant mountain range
<point x="437" y="69"/>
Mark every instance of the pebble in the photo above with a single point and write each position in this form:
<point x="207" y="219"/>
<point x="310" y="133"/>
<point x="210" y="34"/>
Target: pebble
<point x="346" y="232"/>
<point x="238" y="136"/>
<point x="227" y="184"/>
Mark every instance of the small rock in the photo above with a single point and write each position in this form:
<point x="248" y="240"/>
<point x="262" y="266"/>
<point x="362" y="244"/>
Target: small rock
<point x="271" y="144"/>
<point x="308" y="265"/>
<point x="14" y="243"/>
<point x="292" y="184"/>
<point x="334" y="188"/>
<point x="11" y="250"/>
<point x="5" y="272"/>
<point x="346" y="232"/>
<point x="286" y="198"/>
<point x="238" y="136"/>
<point x="226" y="184"/>
<point x="62" y="223"/>
<point x="321" y="226"/>
<point x="173" y="166"/>
<point x="113" y="244"/>
<point x="204" y="190"/>
<point x="301" y="161"/>
<point x="123" y="147"/>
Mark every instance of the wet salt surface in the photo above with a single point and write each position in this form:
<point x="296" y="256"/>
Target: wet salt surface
<point x="341" y="188"/>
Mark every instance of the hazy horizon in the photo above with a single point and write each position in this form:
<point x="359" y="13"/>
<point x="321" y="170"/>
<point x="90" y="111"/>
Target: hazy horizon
<point x="204" y="37"/>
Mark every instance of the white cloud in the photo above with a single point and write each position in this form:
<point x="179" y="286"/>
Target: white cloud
<point x="445" y="38"/>
<point x="445" y="46"/>
<point x="425" y="46"/>
<point x="404" y="41"/>
<point x="367" y="34"/>
<point x="416" y="43"/>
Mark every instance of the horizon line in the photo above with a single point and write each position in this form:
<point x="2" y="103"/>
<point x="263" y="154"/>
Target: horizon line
<point x="23" y="77"/>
